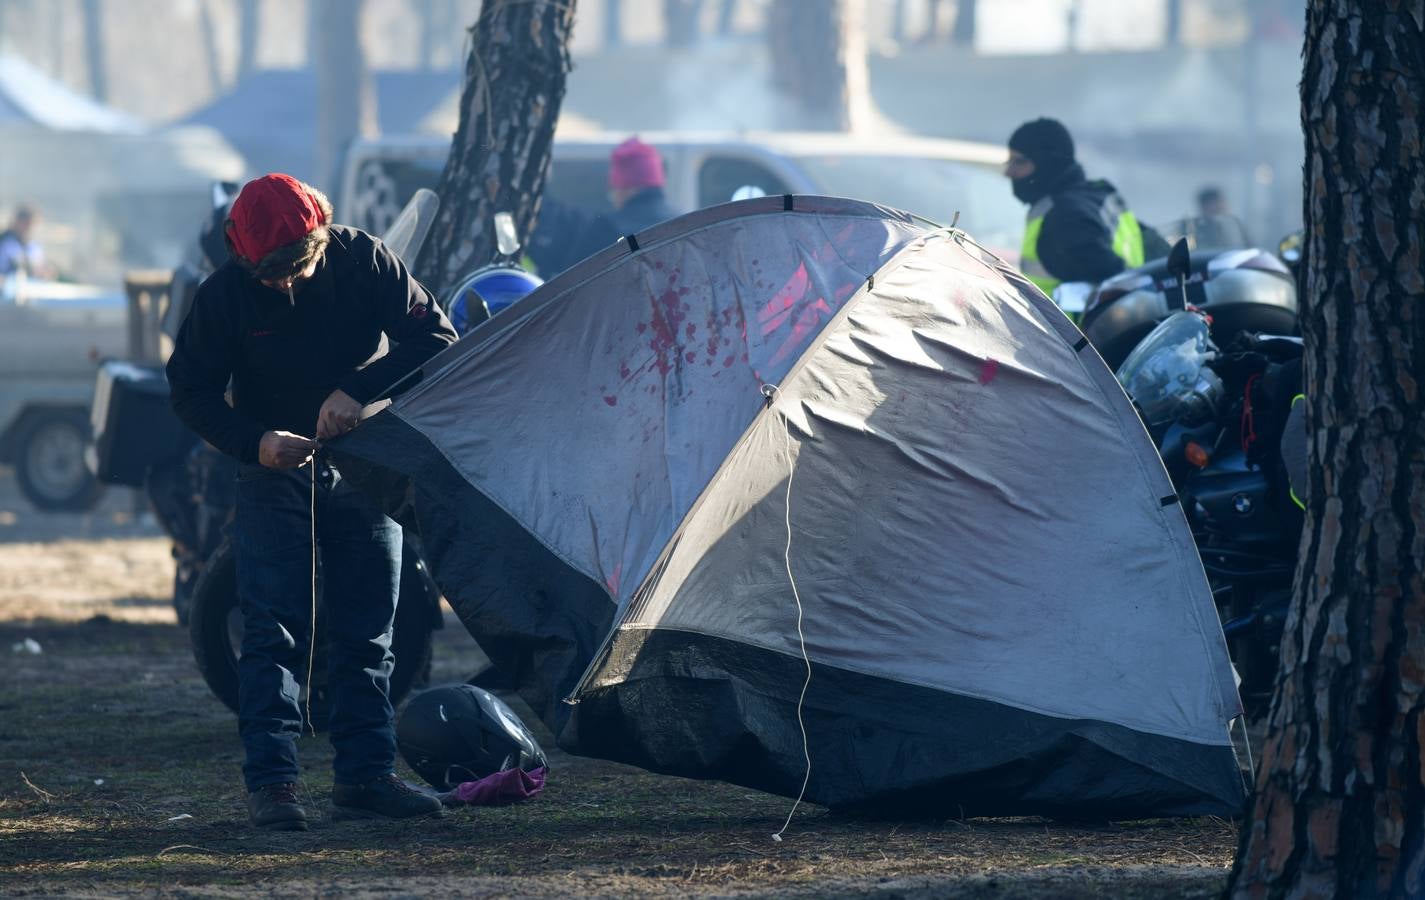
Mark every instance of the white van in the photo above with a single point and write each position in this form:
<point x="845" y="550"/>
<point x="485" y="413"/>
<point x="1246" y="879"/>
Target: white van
<point x="932" y="178"/>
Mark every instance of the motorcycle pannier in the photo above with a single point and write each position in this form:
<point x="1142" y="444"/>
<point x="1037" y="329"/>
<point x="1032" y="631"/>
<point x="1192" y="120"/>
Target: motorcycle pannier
<point x="134" y="427"/>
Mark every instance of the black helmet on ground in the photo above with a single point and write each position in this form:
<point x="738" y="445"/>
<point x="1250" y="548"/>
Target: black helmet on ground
<point x="460" y="732"/>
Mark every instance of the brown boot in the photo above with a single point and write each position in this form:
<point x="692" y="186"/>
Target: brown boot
<point x="275" y="808"/>
<point x="387" y="797"/>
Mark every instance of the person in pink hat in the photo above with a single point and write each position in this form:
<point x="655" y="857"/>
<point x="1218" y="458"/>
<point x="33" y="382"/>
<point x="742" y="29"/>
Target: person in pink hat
<point x="636" y="187"/>
<point x="566" y="233"/>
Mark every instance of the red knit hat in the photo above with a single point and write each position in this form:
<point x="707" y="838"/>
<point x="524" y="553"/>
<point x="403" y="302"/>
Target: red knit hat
<point x="271" y="212"/>
<point x="634" y="164"/>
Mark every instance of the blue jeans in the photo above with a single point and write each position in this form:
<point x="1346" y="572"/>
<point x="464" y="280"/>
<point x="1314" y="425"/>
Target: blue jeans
<point x="361" y="574"/>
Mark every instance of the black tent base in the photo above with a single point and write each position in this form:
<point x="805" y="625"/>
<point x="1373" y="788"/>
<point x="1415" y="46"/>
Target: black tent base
<point x="879" y="747"/>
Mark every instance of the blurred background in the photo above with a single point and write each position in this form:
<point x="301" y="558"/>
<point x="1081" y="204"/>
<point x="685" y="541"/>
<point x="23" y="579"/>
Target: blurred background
<point x="115" y="114"/>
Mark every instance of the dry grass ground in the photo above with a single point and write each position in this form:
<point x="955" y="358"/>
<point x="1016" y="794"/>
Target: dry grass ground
<point x="119" y="776"/>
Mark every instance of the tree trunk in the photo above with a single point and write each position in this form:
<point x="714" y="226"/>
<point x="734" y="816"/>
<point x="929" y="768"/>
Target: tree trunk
<point x="681" y="21"/>
<point x="963" y="34"/>
<point x="209" y="34"/>
<point x="818" y="51"/>
<point x="94" y="50"/>
<point x="514" y="85"/>
<point x="613" y="23"/>
<point x="898" y="21"/>
<point x="1173" y="29"/>
<point x="726" y="15"/>
<point x="934" y="22"/>
<point x="249" y="29"/>
<point x="1337" y="809"/>
<point x="346" y="99"/>
<point x="57" y="55"/>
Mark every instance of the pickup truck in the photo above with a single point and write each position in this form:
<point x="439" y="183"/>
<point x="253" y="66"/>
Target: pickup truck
<point x="52" y="336"/>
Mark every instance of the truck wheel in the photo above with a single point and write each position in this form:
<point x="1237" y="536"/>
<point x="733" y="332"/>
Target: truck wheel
<point x="215" y="627"/>
<point x="49" y="462"/>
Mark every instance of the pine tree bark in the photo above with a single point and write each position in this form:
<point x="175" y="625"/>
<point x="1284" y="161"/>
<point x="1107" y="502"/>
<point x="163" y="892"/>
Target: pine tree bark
<point x="1339" y="805"/>
<point x="514" y="86"/>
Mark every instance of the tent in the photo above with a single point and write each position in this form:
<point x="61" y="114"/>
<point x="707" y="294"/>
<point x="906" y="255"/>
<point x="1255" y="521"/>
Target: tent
<point x="30" y="97"/>
<point x="620" y="480"/>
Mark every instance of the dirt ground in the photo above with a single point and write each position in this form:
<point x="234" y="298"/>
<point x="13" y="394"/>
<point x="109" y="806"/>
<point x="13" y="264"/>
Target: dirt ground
<point x="119" y="777"/>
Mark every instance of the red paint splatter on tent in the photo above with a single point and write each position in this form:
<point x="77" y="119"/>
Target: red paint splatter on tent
<point x="611" y="400"/>
<point x="624" y="371"/>
<point x="668" y="315"/>
<point x="989" y="370"/>
<point x="612" y="581"/>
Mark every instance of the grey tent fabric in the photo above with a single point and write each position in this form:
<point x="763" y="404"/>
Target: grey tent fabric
<point x="1001" y="601"/>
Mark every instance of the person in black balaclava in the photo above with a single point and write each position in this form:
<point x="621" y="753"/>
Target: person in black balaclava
<point x="1078" y="230"/>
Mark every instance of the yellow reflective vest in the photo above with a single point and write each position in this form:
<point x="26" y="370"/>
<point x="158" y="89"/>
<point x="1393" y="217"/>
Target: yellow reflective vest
<point x="1122" y="224"/>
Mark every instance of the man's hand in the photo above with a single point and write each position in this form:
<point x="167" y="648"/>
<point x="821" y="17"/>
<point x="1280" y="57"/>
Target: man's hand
<point x="340" y="413"/>
<point x="285" y="450"/>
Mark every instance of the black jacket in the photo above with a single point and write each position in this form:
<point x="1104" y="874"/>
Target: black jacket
<point x="1075" y="243"/>
<point x="642" y="211"/>
<point x="285" y="358"/>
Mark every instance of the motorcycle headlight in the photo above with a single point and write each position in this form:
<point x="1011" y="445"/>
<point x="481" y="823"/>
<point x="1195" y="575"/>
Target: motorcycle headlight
<point x="1200" y="406"/>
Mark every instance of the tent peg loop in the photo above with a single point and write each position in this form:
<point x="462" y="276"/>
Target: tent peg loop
<point x="769" y="392"/>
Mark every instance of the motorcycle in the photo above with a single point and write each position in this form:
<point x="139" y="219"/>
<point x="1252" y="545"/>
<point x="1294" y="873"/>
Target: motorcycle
<point x="1243" y="289"/>
<point x="1220" y="414"/>
<point x="190" y="486"/>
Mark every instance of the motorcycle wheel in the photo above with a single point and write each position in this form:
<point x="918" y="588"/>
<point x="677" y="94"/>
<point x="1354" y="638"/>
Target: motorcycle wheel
<point x="49" y="462"/>
<point x="215" y="627"/>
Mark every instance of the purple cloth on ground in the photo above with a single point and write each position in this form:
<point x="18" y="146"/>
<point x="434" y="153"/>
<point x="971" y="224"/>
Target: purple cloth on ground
<point x="499" y="789"/>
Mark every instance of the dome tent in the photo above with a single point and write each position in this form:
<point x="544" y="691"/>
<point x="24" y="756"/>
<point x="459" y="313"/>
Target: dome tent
<point x="1003" y="606"/>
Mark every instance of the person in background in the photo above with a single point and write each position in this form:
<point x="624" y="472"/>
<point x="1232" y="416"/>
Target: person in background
<point x="636" y="180"/>
<point x="1078" y="230"/>
<point x="1216" y="226"/>
<point x="19" y="251"/>
<point x="565" y="234"/>
<point x="297" y="319"/>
